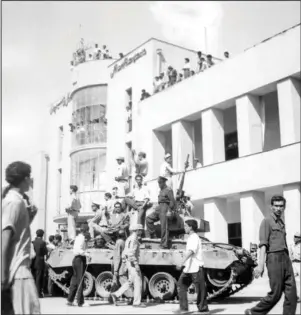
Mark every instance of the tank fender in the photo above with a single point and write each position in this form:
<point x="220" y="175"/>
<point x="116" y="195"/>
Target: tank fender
<point x="218" y="258"/>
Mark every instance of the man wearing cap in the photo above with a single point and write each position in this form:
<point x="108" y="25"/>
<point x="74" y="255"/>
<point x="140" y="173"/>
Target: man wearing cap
<point x="166" y="202"/>
<point x="274" y="251"/>
<point x="100" y="220"/>
<point x="296" y="260"/>
<point x="121" y="176"/>
<point x="140" y="162"/>
<point x="138" y="199"/>
<point x="167" y="171"/>
<point x="131" y="255"/>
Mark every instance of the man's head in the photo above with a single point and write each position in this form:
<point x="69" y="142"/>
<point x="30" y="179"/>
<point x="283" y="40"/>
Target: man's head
<point x="120" y="160"/>
<point x="137" y="228"/>
<point x="162" y="75"/>
<point x="40" y="233"/>
<point x="139" y="180"/>
<point x="190" y="226"/>
<point x="170" y="68"/>
<point x="118" y="207"/>
<point x="168" y="158"/>
<point x="108" y="196"/>
<point x="121" y="234"/>
<point x="120" y="55"/>
<point x="199" y="54"/>
<point x="278" y="205"/>
<point x="73" y="189"/>
<point x="162" y="182"/>
<point x="226" y="54"/>
<point x="209" y="57"/>
<point x="95" y="206"/>
<point x="142" y="91"/>
<point x="141" y="156"/>
<point x="192" y="72"/>
<point x="96" y="45"/>
<point x="104" y="46"/>
<point x="187" y="60"/>
<point x="18" y="175"/>
<point x="51" y="238"/>
<point x="157" y="78"/>
<point x="180" y="75"/>
<point x="202" y="59"/>
<point x="297" y="237"/>
<point x="115" y="191"/>
<point x="57" y="239"/>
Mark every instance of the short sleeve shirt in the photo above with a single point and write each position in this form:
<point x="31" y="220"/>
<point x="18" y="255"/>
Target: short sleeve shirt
<point x="195" y="261"/>
<point x="16" y="216"/>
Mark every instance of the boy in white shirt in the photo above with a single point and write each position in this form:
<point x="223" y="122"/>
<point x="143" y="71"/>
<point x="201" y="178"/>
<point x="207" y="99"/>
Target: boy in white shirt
<point x="193" y="271"/>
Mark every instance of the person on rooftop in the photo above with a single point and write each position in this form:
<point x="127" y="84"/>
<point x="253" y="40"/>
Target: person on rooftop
<point x="180" y="77"/>
<point x="121" y="55"/>
<point x="203" y="65"/>
<point x="157" y="84"/>
<point x="172" y="75"/>
<point x="163" y="80"/>
<point x="144" y="95"/>
<point x="226" y="54"/>
<point x="186" y="68"/>
<point x="199" y="60"/>
<point x="192" y="73"/>
<point x="210" y="61"/>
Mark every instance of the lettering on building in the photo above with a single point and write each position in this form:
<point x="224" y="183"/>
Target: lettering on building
<point x="127" y="61"/>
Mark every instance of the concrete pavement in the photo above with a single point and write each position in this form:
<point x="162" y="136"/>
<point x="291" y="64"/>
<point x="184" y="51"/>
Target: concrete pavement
<point x="232" y="305"/>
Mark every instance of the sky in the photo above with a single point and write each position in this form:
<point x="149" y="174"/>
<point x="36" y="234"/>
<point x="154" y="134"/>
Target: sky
<point x="38" y="39"/>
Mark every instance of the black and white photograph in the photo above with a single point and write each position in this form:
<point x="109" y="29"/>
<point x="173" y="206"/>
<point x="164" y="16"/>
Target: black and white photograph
<point x="150" y="157"/>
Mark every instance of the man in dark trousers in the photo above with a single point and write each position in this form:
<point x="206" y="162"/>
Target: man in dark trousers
<point x="273" y="250"/>
<point x="79" y="264"/>
<point x="40" y="249"/>
<point x="193" y="271"/>
<point x="166" y="202"/>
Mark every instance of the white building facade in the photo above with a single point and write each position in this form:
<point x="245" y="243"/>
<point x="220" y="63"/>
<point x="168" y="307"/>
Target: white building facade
<point x="240" y="119"/>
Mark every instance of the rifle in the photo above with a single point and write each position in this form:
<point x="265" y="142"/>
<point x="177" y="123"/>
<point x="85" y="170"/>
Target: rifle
<point x="180" y="194"/>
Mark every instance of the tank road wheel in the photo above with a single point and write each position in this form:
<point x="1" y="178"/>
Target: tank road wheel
<point x="162" y="286"/>
<point x="218" y="277"/>
<point x="88" y="284"/>
<point x="129" y="292"/>
<point x="103" y="284"/>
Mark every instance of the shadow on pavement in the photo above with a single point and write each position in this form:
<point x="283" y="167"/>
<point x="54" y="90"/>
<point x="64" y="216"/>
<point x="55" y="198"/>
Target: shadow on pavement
<point x="218" y="310"/>
<point x="240" y="300"/>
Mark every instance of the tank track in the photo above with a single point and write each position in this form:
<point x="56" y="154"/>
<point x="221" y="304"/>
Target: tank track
<point x="226" y="291"/>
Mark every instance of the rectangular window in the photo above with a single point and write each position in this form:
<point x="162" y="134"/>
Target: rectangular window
<point x="128" y="107"/>
<point x="234" y="234"/>
<point x="231" y="146"/>
<point x="61" y="137"/>
<point x="59" y="190"/>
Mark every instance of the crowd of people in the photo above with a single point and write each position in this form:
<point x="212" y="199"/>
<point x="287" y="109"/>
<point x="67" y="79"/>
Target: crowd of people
<point x="173" y="76"/>
<point x="23" y="261"/>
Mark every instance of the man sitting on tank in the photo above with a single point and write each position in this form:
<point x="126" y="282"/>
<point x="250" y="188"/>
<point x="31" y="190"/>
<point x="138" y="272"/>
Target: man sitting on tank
<point x="100" y="220"/>
<point x="119" y="220"/>
<point x="138" y="200"/>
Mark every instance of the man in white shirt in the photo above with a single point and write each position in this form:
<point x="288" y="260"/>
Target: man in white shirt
<point x="167" y="171"/>
<point x="122" y="176"/>
<point x="79" y="264"/>
<point x="99" y="221"/>
<point x="109" y="203"/>
<point x="186" y="68"/>
<point x="138" y="200"/>
<point x="140" y="162"/>
<point x="193" y="271"/>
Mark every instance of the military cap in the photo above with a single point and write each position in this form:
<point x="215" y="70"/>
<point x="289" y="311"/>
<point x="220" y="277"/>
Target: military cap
<point x="167" y="155"/>
<point x="162" y="177"/>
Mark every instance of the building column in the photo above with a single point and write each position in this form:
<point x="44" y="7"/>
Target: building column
<point x="252" y="209"/>
<point x="289" y="110"/>
<point x="213" y="136"/>
<point x="158" y="152"/>
<point x="182" y="143"/>
<point x="291" y="193"/>
<point x="249" y="125"/>
<point x="214" y="212"/>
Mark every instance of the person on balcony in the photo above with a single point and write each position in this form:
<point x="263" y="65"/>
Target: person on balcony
<point x="144" y="95"/>
<point x="138" y="200"/>
<point x="210" y="62"/>
<point x="72" y="209"/>
<point x="140" y="162"/>
<point x="109" y="203"/>
<point x="157" y="84"/>
<point x="180" y="77"/>
<point x="227" y="55"/>
<point x="199" y="60"/>
<point x="119" y="220"/>
<point x="122" y="177"/>
<point x="114" y="194"/>
<point x="164" y="80"/>
<point x="167" y="171"/>
<point x="99" y="221"/>
<point x="186" y="68"/>
<point x="203" y="65"/>
<point x="166" y="204"/>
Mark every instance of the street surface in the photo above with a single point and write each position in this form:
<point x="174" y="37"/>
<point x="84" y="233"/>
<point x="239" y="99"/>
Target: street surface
<point x="232" y="305"/>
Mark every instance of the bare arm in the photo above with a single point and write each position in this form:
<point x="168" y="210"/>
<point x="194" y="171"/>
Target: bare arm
<point x="7" y="235"/>
<point x="188" y="254"/>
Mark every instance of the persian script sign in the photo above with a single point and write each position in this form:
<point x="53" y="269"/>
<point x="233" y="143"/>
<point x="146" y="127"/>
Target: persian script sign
<point x="127" y="61"/>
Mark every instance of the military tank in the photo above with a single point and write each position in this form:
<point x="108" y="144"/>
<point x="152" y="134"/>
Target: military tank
<point x="228" y="268"/>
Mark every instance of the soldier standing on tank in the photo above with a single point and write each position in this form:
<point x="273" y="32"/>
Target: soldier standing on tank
<point x="193" y="271"/>
<point x="273" y="250"/>
<point x="131" y="255"/>
<point x="295" y="250"/>
<point x="167" y="203"/>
